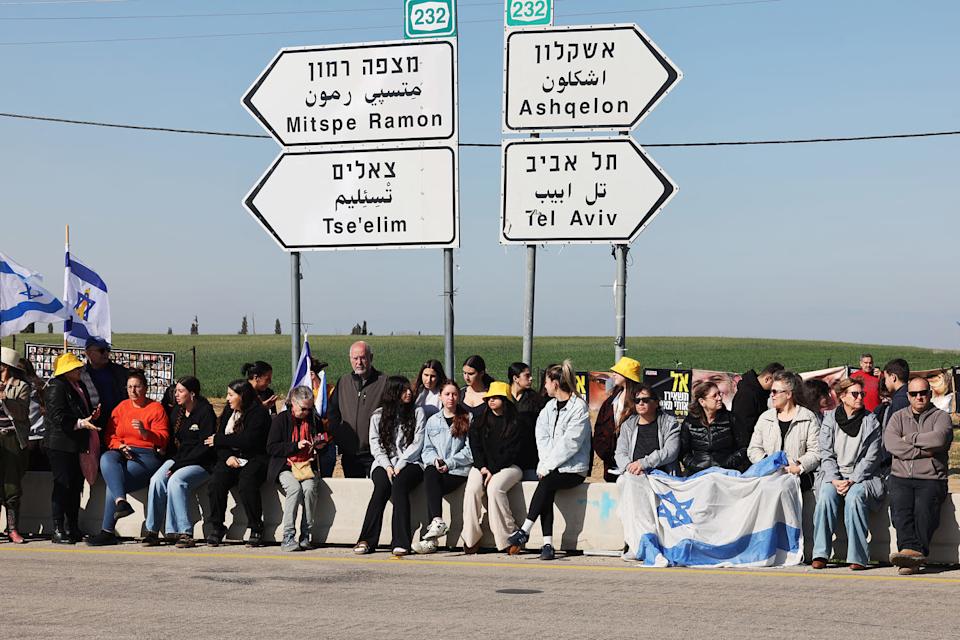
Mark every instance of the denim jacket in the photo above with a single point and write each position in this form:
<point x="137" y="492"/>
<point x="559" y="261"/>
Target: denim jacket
<point x="563" y="437"/>
<point x="439" y="444"/>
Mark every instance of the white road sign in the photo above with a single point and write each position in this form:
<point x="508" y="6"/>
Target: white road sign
<point x="582" y="78"/>
<point x="359" y="93"/>
<point x="579" y="191"/>
<point x="360" y="199"/>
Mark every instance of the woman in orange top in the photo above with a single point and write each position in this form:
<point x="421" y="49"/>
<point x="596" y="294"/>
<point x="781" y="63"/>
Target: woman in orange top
<point x="136" y="437"/>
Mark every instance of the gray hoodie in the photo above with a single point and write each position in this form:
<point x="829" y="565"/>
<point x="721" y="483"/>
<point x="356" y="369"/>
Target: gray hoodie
<point x="919" y="449"/>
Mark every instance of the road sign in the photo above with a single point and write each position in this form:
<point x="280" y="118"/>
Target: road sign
<point x="429" y="18"/>
<point x="359" y="93"/>
<point x="582" y="78"/>
<point x="528" y="14"/>
<point x="579" y="190"/>
<point x="360" y="199"/>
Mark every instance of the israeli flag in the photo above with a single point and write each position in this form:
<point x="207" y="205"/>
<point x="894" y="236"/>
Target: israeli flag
<point x="301" y="378"/>
<point x="715" y="518"/>
<point x="85" y="294"/>
<point x="22" y="299"/>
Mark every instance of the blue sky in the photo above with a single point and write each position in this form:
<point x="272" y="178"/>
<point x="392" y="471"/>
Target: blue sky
<point x="851" y="241"/>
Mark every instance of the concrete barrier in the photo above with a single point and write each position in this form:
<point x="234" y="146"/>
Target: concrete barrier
<point x="586" y="517"/>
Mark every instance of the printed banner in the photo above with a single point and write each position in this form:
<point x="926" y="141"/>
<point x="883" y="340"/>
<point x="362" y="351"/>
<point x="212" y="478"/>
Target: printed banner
<point x="943" y="384"/>
<point x="673" y="388"/>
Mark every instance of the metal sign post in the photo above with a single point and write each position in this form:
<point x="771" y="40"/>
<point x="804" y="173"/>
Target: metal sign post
<point x="295" y="327"/>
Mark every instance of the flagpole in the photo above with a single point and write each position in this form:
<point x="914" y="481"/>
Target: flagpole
<point x="65" y="267"/>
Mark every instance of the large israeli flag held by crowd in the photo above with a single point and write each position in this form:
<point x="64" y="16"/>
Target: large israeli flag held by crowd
<point x="85" y="294"/>
<point x="22" y="299"/>
<point x="716" y="518"/>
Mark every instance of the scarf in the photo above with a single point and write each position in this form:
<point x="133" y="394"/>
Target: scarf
<point x="850" y="426"/>
<point x="300" y="431"/>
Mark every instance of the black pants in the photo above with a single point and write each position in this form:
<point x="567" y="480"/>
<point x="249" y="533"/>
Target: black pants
<point x="541" y="504"/>
<point x="67" y="487"/>
<point x="915" y="511"/>
<point x="397" y="492"/>
<point x="438" y="485"/>
<point x="248" y="479"/>
<point x="356" y="465"/>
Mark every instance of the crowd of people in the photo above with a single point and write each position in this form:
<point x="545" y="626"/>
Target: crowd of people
<point x="884" y="440"/>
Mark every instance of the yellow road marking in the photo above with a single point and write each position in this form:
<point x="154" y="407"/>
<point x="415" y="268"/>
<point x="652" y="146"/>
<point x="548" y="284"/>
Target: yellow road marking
<point x="413" y="560"/>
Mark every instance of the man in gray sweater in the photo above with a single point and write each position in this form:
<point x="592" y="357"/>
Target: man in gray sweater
<point x="918" y="437"/>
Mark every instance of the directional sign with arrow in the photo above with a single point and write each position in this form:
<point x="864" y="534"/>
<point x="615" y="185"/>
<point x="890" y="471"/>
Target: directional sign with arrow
<point x="579" y="191"/>
<point x="582" y="78"/>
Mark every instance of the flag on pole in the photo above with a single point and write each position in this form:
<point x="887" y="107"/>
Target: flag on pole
<point x="301" y="378"/>
<point x="85" y="294"/>
<point x="22" y="300"/>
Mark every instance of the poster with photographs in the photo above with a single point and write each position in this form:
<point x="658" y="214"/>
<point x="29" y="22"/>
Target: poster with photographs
<point x="157" y="366"/>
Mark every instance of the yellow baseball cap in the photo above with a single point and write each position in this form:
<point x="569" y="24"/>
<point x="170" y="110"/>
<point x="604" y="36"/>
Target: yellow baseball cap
<point x="66" y="363"/>
<point x="499" y="389"/>
<point x="628" y="368"/>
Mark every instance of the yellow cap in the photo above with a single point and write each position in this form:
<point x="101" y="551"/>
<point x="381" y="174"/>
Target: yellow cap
<point x="628" y="368"/>
<point x="66" y="363"/>
<point x="499" y="389"/>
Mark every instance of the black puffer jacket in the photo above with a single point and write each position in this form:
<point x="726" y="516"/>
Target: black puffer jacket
<point x="749" y="402"/>
<point x="702" y="447"/>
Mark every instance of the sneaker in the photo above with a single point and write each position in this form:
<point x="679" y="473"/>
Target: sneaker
<point x="290" y="543"/>
<point x="152" y="539"/>
<point x="306" y="544"/>
<point x="103" y="539"/>
<point x="907" y="558"/>
<point x="547" y="552"/>
<point x="424" y="547"/>
<point x="185" y="541"/>
<point x="123" y="510"/>
<point x="907" y="571"/>
<point x="517" y="541"/>
<point x="400" y="551"/>
<point x="255" y="539"/>
<point x="436" y="529"/>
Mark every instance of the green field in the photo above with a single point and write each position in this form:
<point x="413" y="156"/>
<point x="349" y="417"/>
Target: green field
<point x="219" y="356"/>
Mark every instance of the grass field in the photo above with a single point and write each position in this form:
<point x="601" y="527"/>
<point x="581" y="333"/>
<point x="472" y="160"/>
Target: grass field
<point x="219" y="357"/>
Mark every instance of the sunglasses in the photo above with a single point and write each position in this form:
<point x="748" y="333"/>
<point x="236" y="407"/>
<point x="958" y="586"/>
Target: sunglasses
<point x="645" y="400"/>
<point x="918" y="394"/>
<point x="776" y="392"/>
<point x="857" y="394"/>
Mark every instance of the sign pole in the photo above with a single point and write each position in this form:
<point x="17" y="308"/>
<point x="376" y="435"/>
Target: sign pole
<point x="294" y="310"/>
<point x="448" y="361"/>
<point x="620" y="300"/>
<point x="531" y="283"/>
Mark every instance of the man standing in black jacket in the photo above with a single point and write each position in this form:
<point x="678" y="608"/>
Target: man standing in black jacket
<point x="355" y="398"/>
<point x="105" y="380"/>
<point x="753" y="392"/>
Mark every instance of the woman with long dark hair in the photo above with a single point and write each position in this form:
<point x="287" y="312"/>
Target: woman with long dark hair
<point x="708" y="433"/>
<point x="260" y="376"/>
<point x="476" y="381"/>
<point x="529" y="403"/>
<point x="241" y="446"/>
<point x="396" y="437"/>
<point x="426" y="387"/>
<point x="627" y="375"/>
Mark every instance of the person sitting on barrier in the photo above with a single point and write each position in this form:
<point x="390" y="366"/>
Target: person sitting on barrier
<point x="918" y="437"/>
<point x="851" y="455"/>
<point x="191" y="462"/>
<point x="396" y="437"/>
<point x="260" y="375"/>
<point x="617" y="407"/>
<point x="496" y="443"/>
<point x="563" y="442"/>
<point x="138" y="429"/>
<point x="529" y="404"/>
<point x="426" y="387"/>
<point x="292" y="445"/>
<point x="14" y="437"/>
<point x="241" y="445"/>
<point x="816" y="397"/>
<point x="446" y="459"/>
<point x="788" y="427"/>
<point x="708" y="433"/>
<point x="476" y="382"/>
<point x="649" y="439"/>
<point x="327" y="454"/>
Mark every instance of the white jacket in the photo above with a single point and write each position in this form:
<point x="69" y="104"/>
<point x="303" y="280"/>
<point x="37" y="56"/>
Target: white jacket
<point x="563" y="437"/>
<point x="801" y="444"/>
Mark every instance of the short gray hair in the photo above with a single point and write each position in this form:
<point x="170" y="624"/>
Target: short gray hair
<point x="789" y="379"/>
<point x="301" y="395"/>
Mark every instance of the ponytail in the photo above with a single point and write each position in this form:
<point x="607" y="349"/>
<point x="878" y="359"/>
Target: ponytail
<point x="563" y="375"/>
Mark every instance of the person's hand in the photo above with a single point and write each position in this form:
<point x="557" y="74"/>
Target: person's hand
<point x="3" y="394"/>
<point x="794" y="468"/>
<point x="96" y="413"/>
<point x="233" y="463"/>
<point x="303" y="445"/>
<point x="136" y="424"/>
<point x="391" y="473"/>
<point x="486" y="475"/>
<point x="209" y="441"/>
<point x="441" y="466"/>
<point x="271" y="402"/>
<point x="87" y="423"/>
<point x="125" y="452"/>
<point x="635" y="468"/>
<point x="169" y="473"/>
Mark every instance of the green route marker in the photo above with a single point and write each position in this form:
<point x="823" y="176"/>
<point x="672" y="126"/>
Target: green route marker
<point x="429" y="18"/>
<point x="528" y="13"/>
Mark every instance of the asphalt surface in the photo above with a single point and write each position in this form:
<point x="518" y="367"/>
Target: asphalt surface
<point x="234" y="592"/>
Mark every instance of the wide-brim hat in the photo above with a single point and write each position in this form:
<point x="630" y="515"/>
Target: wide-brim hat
<point x="10" y="358"/>
<point x="628" y="368"/>
<point x="498" y="390"/>
<point x="66" y="363"/>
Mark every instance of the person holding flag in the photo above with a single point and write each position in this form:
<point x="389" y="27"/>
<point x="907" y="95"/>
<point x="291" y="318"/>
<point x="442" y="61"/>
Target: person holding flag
<point x="22" y="300"/>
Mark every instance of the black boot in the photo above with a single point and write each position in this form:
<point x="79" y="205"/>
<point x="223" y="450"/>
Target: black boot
<point x="12" y="523"/>
<point x="74" y="532"/>
<point x="60" y="535"/>
<point x="256" y="538"/>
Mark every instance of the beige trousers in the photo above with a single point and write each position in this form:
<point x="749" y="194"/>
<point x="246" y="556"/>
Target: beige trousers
<point x="500" y="518"/>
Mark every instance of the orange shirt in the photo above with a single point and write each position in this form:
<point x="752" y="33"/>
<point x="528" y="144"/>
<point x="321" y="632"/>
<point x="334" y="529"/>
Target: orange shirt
<point x="120" y="431"/>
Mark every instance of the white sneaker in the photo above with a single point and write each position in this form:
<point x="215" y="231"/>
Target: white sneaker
<point x="425" y="546"/>
<point x="400" y="551"/>
<point x="436" y="529"/>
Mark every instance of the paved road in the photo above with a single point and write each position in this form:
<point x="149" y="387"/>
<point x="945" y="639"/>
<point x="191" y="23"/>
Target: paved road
<point x="130" y="592"/>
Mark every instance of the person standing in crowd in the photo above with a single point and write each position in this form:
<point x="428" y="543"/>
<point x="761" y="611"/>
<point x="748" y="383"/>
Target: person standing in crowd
<point x="189" y="467"/>
<point x="529" y="403"/>
<point x="396" y="437"/>
<point x="896" y="375"/>
<point x="496" y="443"/>
<point x="260" y="376"/>
<point x="426" y="387"/>
<point x="649" y="439"/>
<point x="619" y="405"/>
<point x="918" y="437"/>
<point x="788" y="427"/>
<point x="850" y="475"/>
<point x="37" y="408"/>
<point x="870" y="381"/>
<point x="446" y="459"/>
<point x="241" y="446"/>
<point x="138" y="430"/>
<point x="476" y="382"/>
<point x="355" y="398"/>
<point x="563" y="442"/>
<point x="71" y="426"/>
<point x="324" y="447"/>
<point x="752" y="399"/>
<point x="815" y="396"/>
<point x="105" y="380"/>
<point x="293" y="464"/>
<point x="14" y="437"/>
<point x="708" y="433"/>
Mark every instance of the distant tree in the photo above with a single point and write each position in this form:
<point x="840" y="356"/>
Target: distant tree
<point x="50" y="327"/>
<point x="195" y="327"/>
<point x="356" y="330"/>
<point x="276" y="327"/>
<point x="363" y="331"/>
<point x="169" y="331"/>
<point x="30" y="328"/>
<point x="243" y="327"/>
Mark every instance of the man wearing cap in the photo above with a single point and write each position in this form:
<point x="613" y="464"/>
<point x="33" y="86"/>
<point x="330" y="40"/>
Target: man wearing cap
<point x="105" y="380"/>
<point x="14" y="436"/>
<point x="614" y="410"/>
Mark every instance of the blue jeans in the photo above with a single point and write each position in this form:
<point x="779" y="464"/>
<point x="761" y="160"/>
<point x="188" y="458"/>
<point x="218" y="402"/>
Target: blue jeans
<point x="170" y="497"/>
<point x="123" y="476"/>
<point x="855" y="515"/>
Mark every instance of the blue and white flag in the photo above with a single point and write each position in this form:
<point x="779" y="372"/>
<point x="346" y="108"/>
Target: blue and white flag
<point x="85" y="294"/>
<point x="716" y="518"/>
<point x="22" y="299"/>
<point x="301" y="378"/>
